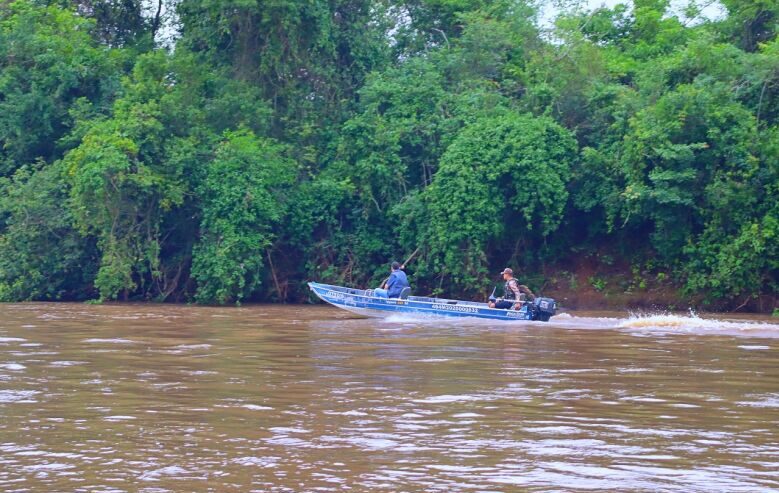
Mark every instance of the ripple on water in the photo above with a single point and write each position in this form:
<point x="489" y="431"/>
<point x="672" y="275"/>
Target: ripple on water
<point x="287" y="441"/>
<point x="642" y="399"/>
<point x="346" y="413"/>
<point x="192" y="347"/>
<point x="447" y="398"/>
<point x="553" y="430"/>
<point x="374" y="441"/>
<point x="66" y="363"/>
<point x="47" y="467"/>
<point x="467" y="415"/>
<point x="255" y="407"/>
<point x="265" y="461"/>
<point x="119" y="418"/>
<point x="177" y="472"/>
<point x="20" y="396"/>
<point x="281" y="430"/>
<point x="762" y="400"/>
<point x="108" y="341"/>
<point x="6" y="340"/>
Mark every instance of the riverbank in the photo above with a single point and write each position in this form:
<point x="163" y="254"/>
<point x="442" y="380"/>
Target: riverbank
<point x="592" y="285"/>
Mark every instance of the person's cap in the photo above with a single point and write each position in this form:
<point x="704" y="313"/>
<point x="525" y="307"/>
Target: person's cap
<point x="507" y="271"/>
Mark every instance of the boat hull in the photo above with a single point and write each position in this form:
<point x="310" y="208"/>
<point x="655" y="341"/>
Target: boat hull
<point x="362" y="302"/>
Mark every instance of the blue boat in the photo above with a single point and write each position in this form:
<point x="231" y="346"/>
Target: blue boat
<point x="363" y="302"/>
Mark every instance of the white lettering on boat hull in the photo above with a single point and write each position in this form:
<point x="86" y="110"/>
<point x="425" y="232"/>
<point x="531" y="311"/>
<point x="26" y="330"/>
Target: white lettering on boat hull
<point x="456" y="308"/>
<point x="515" y="314"/>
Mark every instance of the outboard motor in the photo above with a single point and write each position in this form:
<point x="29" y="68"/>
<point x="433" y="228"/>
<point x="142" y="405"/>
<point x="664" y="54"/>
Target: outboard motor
<point x="543" y="308"/>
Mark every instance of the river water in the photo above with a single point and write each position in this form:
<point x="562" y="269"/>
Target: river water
<point x="159" y="398"/>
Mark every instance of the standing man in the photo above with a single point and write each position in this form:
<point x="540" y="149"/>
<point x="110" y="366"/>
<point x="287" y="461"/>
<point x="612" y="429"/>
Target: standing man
<point x="394" y="285"/>
<point x="513" y="291"/>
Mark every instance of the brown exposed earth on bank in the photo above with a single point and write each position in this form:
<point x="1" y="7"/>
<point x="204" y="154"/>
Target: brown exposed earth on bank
<point x="591" y="284"/>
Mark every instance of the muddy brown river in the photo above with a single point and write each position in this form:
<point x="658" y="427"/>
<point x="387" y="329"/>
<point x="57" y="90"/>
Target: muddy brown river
<point x="159" y="398"/>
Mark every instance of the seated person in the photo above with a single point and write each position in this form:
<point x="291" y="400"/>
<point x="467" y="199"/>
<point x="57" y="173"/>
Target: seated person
<point x="394" y="284"/>
<point x="514" y="293"/>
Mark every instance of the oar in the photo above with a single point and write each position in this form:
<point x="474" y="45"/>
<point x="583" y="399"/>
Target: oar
<point x="403" y="265"/>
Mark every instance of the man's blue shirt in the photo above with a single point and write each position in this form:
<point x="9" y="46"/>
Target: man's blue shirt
<point x="397" y="281"/>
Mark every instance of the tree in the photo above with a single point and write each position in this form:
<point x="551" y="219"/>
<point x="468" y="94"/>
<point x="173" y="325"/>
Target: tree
<point x="751" y="22"/>
<point x="121" y="183"/>
<point x="242" y="200"/>
<point x="502" y="179"/>
<point x="43" y="257"/>
<point x="49" y="67"/>
<point x="118" y="23"/>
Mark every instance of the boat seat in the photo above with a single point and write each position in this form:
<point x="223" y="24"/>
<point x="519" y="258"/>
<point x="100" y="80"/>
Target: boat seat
<point x="404" y="293"/>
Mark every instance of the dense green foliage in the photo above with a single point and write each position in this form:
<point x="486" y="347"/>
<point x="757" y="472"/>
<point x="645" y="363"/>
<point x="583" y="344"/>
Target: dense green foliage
<point x="502" y="178"/>
<point x="293" y="140"/>
<point x="242" y="200"/>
